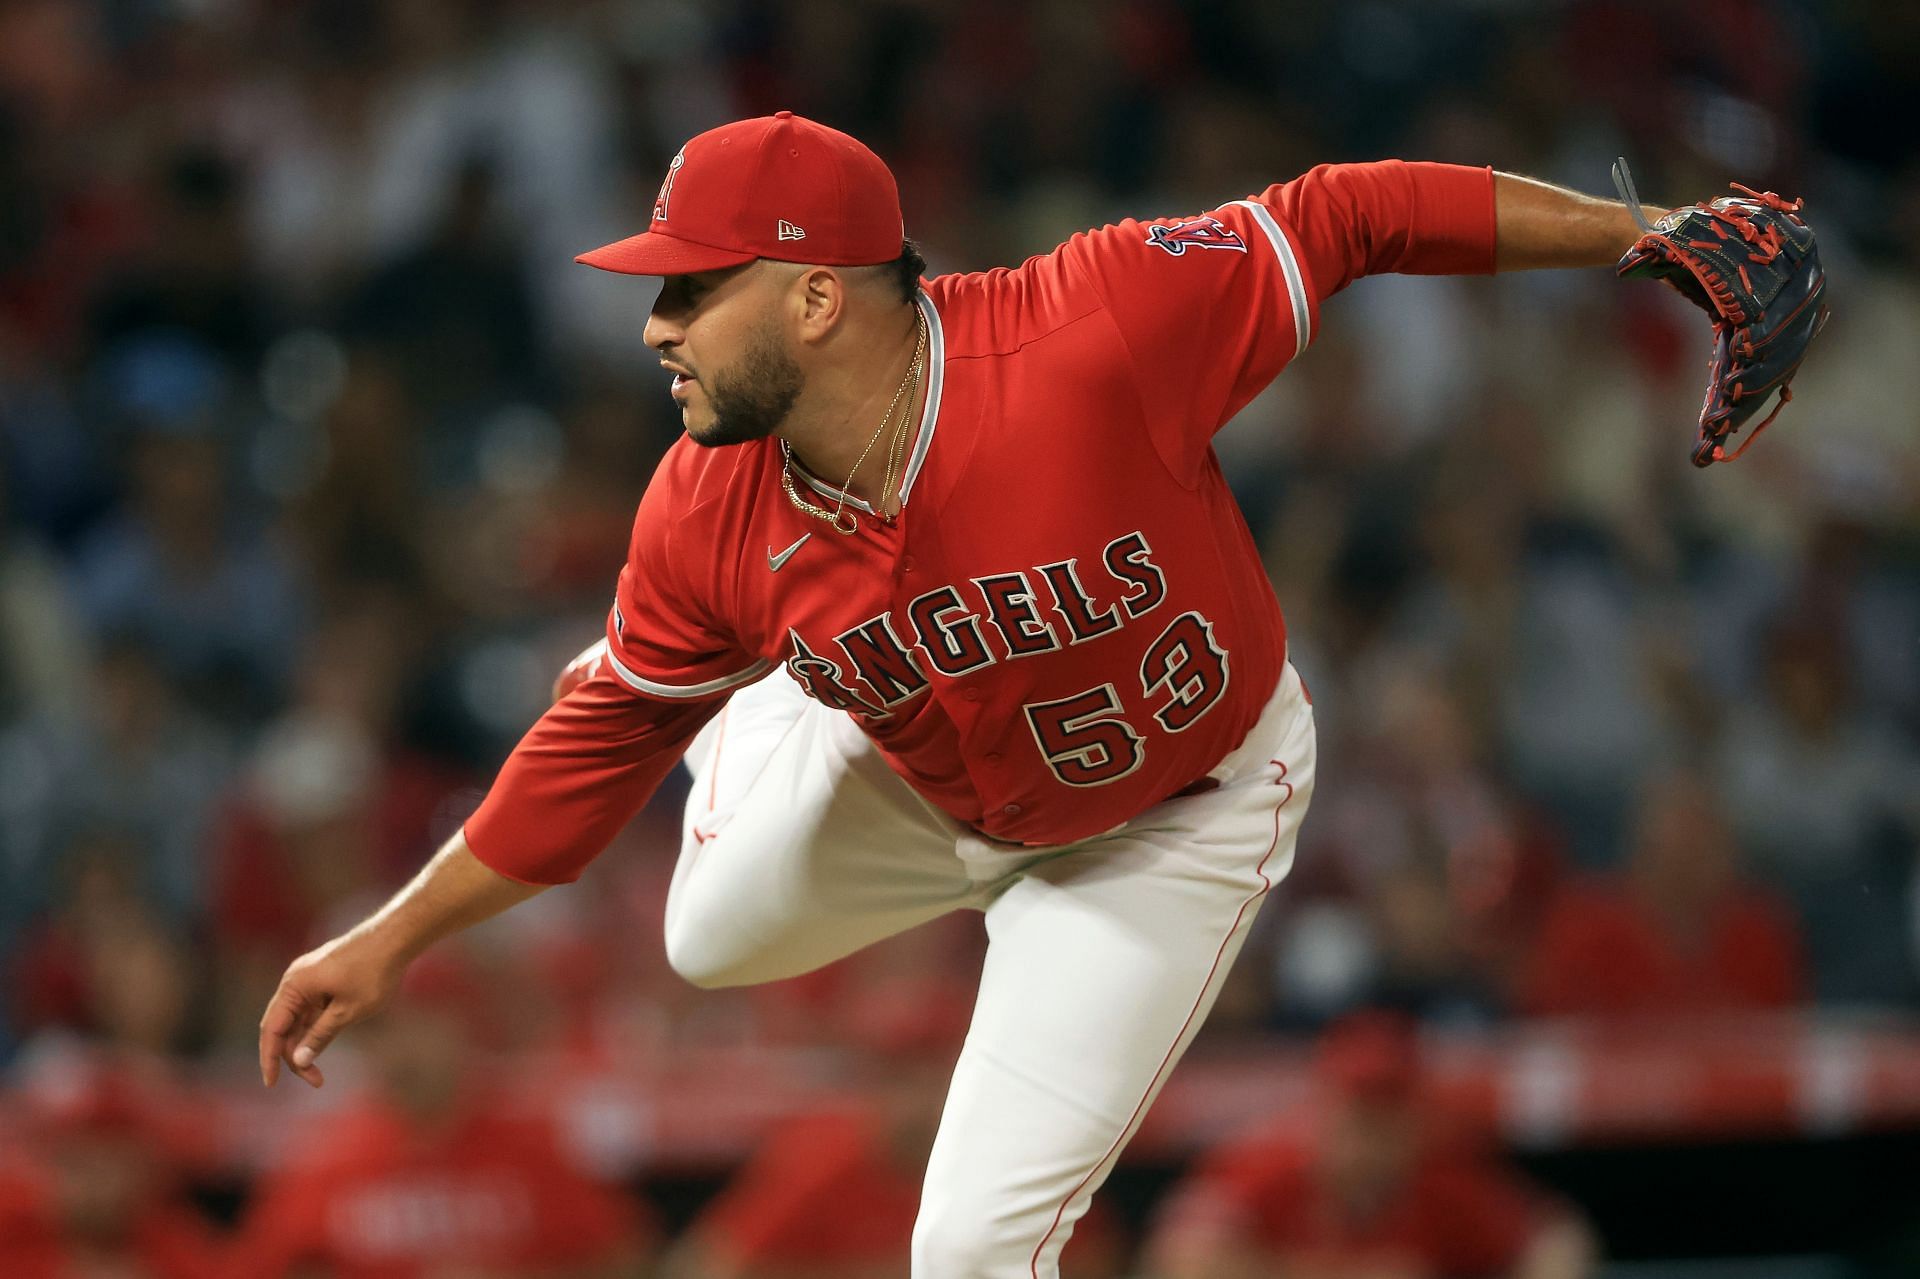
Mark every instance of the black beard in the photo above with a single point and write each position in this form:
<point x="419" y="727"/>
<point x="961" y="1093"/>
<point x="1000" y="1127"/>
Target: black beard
<point x="751" y="401"/>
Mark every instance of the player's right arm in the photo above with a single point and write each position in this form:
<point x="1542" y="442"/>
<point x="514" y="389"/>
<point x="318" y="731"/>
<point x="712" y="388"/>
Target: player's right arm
<point x="577" y="777"/>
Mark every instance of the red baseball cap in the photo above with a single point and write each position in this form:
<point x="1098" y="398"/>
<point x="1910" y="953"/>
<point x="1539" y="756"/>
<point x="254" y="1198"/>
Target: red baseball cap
<point x="777" y="186"/>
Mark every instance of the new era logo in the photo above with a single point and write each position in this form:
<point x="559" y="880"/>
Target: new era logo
<point x="788" y="231"/>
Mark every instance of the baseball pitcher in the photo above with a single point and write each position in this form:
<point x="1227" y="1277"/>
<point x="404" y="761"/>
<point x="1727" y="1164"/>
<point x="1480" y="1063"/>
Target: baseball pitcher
<point x="944" y="602"/>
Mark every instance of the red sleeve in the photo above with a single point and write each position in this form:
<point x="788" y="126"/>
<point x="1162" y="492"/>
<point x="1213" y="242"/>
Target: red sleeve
<point x="589" y="764"/>
<point x="665" y="638"/>
<point x="1212" y="307"/>
<point x="578" y="776"/>
<point x="1391" y="216"/>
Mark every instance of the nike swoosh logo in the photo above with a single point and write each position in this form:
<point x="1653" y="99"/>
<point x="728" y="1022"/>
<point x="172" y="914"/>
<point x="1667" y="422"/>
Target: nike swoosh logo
<point x="776" y="562"/>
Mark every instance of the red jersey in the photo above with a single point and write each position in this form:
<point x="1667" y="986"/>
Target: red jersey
<point x="1455" y="1216"/>
<point x="1068" y="621"/>
<point x="380" y="1199"/>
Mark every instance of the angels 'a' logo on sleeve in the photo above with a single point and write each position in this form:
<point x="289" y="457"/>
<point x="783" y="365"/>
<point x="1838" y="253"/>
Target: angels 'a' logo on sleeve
<point x="1195" y="233"/>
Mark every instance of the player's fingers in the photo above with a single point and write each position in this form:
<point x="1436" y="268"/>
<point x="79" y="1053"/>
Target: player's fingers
<point x="331" y="1021"/>
<point x="287" y="1016"/>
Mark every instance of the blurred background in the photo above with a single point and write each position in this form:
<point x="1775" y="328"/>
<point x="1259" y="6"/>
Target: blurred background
<point x="317" y="459"/>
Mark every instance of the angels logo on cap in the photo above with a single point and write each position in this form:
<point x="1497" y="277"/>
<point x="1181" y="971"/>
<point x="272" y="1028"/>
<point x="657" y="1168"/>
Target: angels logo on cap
<point x="778" y="186"/>
<point x="666" y="187"/>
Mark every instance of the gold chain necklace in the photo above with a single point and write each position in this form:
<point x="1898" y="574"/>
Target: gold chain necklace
<point x="838" y="517"/>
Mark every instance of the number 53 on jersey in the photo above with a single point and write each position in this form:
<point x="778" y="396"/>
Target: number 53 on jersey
<point x="1087" y="738"/>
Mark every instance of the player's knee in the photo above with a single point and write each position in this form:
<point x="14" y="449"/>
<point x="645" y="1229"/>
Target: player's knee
<point x="959" y="1239"/>
<point x="694" y="955"/>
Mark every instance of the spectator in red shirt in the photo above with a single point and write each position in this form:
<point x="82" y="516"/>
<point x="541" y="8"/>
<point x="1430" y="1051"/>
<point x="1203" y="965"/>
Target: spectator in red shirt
<point x="433" y="1177"/>
<point x="94" y="1194"/>
<point x="1371" y="1185"/>
<point x="834" y="1194"/>
<point x="1678" y="933"/>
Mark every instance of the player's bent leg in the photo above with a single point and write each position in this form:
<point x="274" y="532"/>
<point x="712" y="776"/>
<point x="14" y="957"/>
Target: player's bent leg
<point x="1101" y="966"/>
<point x="800" y="845"/>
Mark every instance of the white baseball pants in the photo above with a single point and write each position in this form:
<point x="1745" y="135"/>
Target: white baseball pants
<point x="801" y="846"/>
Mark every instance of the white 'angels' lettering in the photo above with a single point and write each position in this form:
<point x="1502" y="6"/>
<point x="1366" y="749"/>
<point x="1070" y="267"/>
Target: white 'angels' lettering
<point x="948" y="632"/>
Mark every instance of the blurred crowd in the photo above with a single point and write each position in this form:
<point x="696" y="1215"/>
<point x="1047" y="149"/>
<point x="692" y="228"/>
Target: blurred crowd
<point x="317" y="459"/>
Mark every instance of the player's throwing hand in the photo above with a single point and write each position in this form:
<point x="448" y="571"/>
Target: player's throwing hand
<point x="352" y="977"/>
<point x="323" y="992"/>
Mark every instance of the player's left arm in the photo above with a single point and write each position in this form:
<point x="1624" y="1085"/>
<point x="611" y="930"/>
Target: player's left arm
<point x="1419" y="218"/>
<point x="1539" y="225"/>
<point x="1211" y="308"/>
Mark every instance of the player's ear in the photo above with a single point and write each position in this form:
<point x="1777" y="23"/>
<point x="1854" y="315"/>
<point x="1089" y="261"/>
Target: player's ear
<point x="818" y="297"/>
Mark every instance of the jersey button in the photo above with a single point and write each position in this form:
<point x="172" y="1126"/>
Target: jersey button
<point x="971" y="694"/>
<point x="992" y="757"/>
<point x="906" y="563"/>
<point x="1011" y="810"/>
